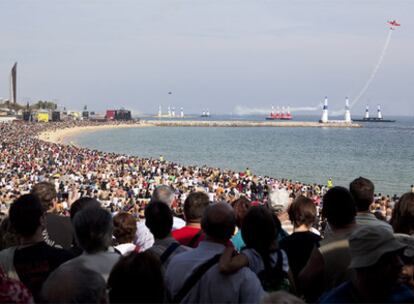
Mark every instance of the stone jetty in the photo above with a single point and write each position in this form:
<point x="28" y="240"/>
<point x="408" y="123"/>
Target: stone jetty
<point x="240" y="123"/>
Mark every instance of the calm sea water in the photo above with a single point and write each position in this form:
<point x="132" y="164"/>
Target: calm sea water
<point x="382" y="152"/>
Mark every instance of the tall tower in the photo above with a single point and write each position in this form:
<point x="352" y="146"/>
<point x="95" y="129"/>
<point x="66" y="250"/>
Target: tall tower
<point x="169" y="111"/>
<point x="379" y="114"/>
<point x="182" y="112"/>
<point x="13" y="83"/>
<point x="173" y="112"/>
<point x="159" y="111"/>
<point x="366" y="112"/>
<point x="347" y="111"/>
<point x="324" y="117"/>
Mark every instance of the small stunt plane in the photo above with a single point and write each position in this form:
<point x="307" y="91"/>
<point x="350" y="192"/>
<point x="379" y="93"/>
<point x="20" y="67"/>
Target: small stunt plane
<point x="393" y="24"/>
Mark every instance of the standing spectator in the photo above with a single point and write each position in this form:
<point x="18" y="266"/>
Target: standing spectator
<point x="328" y="265"/>
<point x="74" y="285"/>
<point x="165" y="194"/>
<point x="300" y="244"/>
<point x="32" y="260"/>
<point x="362" y="190"/>
<point x="59" y="231"/>
<point x="210" y="286"/>
<point x="376" y="261"/>
<point x="194" y="206"/>
<point x="159" y="220"/>
<point x="137" y="278"/>
<point x="240" y="206"/>
<point x="403" y="215"/>
<point x="93" y="232"/>
<point x="261" y="254"/>
<point x="125" y="228"/>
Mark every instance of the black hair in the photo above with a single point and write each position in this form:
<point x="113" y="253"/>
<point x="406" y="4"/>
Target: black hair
<point x="362" y="190"/>
<point x="195" y="205"/>
<point x="338" y="207"/>
<point x="25" y="214"/>
<point x="158" y="219"/>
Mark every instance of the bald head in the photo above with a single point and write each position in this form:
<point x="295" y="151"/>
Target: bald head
<point x="219" y="222"/>
<point x="69" y="284"/>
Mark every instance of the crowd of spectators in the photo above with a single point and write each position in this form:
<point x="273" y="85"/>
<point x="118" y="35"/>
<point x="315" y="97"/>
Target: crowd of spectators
<point x="83" y="226"/>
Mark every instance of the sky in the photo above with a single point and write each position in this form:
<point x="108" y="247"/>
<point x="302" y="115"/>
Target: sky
<point x="231" y="56"/>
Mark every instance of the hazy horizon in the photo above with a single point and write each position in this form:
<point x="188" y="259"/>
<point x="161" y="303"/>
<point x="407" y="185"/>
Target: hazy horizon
<point x="234" y="56"/>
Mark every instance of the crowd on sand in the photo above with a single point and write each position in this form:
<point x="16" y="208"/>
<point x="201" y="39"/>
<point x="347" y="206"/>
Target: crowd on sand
<point x="84" y="226"/>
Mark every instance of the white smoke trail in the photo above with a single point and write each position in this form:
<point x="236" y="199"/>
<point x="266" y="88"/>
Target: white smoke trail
<point x="243" y="110"/>
<point x="374" y="72"/>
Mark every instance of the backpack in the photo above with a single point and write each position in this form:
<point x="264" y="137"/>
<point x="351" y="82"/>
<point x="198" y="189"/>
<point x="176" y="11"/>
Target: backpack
<point x="274" y="278"/>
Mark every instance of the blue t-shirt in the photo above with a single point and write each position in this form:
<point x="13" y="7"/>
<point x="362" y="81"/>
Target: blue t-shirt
<point x="237" y="241"/>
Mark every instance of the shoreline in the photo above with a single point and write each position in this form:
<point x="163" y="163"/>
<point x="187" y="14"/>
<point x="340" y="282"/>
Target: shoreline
<point x="60" y="136"/>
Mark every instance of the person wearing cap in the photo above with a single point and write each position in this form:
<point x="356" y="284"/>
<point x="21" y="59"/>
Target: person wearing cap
<point x="376" y="262"/>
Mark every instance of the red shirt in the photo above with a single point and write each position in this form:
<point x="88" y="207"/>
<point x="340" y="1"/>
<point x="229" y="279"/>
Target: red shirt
<point x="186" y="234"/>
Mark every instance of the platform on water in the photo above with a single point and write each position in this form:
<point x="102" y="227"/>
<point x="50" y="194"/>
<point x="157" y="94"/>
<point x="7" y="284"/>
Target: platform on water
<point x="239" y="123"/>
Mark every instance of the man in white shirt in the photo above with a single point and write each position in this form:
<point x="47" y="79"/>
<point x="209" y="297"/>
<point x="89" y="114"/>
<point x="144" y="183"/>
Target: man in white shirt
<point x="243" y="286"/>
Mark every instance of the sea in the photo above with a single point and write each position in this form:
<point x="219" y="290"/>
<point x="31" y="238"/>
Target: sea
<point x="382" y="152"/>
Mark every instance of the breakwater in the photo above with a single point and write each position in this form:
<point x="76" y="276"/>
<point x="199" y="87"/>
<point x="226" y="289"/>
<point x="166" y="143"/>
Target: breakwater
<point x="239" y="123"/>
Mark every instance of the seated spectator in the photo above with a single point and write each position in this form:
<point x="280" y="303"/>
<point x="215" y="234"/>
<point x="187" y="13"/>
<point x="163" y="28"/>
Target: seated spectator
<point x="59" y="231"/>
<point x="74" y="285"/>
<point x="240" y="206"/>
<point x="362" y="190"/>
<point x="403" y="215"/>
<point x="125" y="228"/>
<point x="93" y="232"/>
<point x="137" y="278"/>
<point x="376" y="261"/>
<point x="260" y="254"/>
<point x="194" y="206"/>
<point x="211" y="286"/>
<point x="328" y="265"/>
<point x="159" y="220"/>
<point x="32" y="260"/>
<point x="300" y="244"/>
<point x="165" y="194"/>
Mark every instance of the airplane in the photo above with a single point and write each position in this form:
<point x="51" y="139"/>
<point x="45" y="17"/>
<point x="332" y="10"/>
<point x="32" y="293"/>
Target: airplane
<point x="393" y="24"/>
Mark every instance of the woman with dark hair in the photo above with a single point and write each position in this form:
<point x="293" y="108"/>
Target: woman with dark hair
<point x="137" y="278"/>
<point x="402" y="220"/>
<point x="261" y="254"/>
<point x="299" y="245"/>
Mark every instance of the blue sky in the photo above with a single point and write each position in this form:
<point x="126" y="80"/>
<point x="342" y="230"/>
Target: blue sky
<point x="221" y="54"/>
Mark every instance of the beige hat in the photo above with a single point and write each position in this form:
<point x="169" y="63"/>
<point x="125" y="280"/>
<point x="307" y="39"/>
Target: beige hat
<point x="369" y="243"/>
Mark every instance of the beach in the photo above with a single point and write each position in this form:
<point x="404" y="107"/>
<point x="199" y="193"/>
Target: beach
<point x="59" y="136"/>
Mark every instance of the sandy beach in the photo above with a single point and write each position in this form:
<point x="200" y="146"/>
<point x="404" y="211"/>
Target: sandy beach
<point x="60" y="136"/>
